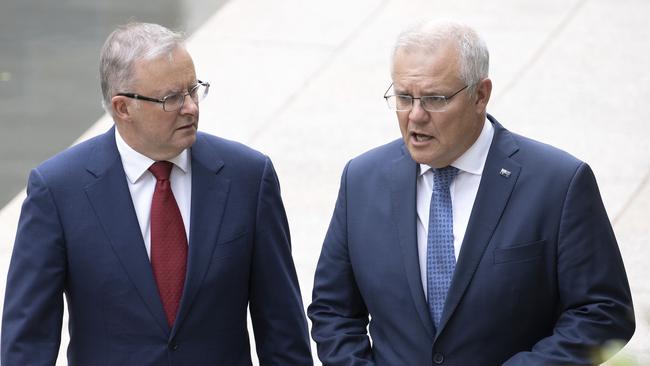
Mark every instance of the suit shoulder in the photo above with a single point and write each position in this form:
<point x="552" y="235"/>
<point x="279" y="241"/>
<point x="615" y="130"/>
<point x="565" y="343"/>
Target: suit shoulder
<point x="378" y="156"/>
<point x="543" y="154"/>
<point x="229" y="151"/>
<point x="65" y="164"/>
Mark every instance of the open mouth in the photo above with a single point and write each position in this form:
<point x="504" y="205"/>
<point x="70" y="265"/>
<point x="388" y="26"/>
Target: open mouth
<point x="420" y="137"/>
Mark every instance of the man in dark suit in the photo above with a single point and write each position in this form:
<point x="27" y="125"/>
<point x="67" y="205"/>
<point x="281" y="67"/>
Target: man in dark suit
<point x="159" y="236"/>
<point x="463" y="243"/>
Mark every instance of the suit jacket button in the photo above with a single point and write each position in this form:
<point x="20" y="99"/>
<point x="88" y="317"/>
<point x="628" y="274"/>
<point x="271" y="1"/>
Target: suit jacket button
<point x="173" y="346"/>
<point x="438" y="358"/>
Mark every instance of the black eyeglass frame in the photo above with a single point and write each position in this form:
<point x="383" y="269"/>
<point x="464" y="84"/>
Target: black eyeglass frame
<point x="443" y="98"/>
<point x="162" y="101"/>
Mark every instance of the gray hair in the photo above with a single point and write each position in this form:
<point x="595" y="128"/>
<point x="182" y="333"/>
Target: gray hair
<point x="126" y="45"/>
<point x="473" y="55"/>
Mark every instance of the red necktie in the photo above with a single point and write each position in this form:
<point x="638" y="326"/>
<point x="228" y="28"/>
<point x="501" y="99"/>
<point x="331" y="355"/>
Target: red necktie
<point x="168" y="241"/>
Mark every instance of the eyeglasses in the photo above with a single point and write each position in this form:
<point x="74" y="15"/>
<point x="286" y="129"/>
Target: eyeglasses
<point x="431" y="103"/>
<point x="174" y="102"/>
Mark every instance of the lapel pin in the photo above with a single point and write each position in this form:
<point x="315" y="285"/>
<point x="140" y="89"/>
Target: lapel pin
<point x="505" y="173"/>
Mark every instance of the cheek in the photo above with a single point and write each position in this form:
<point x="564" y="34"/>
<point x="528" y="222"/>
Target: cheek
<point x="453" y="128"/>
<point x="164" y="126"/>
<point x="460" y="134"/>
<point x="156" y="130"/>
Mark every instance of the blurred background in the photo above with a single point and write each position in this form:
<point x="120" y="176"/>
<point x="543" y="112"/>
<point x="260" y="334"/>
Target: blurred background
<point x="303" y="82"/>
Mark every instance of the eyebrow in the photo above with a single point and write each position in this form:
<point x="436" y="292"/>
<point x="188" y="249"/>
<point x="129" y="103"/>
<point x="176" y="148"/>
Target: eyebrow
<point x="426" y="94"/>
<point x="398" y="91"/>
<point x="181" y="90"/>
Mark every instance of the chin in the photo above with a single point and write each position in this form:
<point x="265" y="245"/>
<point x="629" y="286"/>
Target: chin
<point x="429" y="160"/>
<point x="418" y="156"/>
<point x="420" y="159"/>
<point x="188" y="140"/>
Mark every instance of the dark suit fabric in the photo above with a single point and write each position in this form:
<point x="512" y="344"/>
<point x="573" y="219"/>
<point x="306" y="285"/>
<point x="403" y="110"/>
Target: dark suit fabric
<point x="78" y="234"/>
<point x="539" y="279"/>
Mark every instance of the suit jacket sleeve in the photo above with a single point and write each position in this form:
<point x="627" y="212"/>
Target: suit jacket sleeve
<point x="33" y="308"/>
<point x="595" y="301"/>
<point x="338" y="313"/>
<point x="276" y="308"/>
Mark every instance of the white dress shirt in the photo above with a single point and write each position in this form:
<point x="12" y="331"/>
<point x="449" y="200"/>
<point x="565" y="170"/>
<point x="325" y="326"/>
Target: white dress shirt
<point x="142" y="184"/>
<point x="463" y="193"/>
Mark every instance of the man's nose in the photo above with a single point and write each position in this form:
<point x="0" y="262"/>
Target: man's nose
<point x="417" y="113"/>
<point x="189" y="105"/>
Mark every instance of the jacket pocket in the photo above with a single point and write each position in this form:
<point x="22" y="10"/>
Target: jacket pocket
<point x="232" y="245"/>
<point x="520" y="253"/>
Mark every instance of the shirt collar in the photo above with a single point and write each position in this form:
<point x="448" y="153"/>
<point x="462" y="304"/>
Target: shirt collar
<point x="473" y="160"/>
<point x="136" y="164"/>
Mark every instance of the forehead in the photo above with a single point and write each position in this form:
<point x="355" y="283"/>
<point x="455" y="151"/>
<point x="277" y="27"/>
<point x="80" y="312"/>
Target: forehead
<point x="426" y="68"/>
<point x="167" y="72"/>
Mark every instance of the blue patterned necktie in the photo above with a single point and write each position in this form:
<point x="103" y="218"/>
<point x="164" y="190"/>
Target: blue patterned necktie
<point x="441" y="260"/>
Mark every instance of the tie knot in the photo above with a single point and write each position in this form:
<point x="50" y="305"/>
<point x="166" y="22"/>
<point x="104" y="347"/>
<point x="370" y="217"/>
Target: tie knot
<point x="442" y="177"/>
<point x="161" y="170"/>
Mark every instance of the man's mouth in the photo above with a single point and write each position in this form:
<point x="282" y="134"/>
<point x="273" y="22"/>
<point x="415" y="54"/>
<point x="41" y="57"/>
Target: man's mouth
<point x="420" y="137"/>
<point x="186" y="126"/>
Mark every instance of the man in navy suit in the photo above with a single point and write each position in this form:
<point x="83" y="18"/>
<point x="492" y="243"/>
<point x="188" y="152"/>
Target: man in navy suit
<point x="89" y="230"/>
<point x="510" y="259"/>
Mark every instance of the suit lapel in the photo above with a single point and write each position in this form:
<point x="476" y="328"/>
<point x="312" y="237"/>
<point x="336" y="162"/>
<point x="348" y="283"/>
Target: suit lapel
<point x="209" y="194"/>
<point x="402" y="174"/>
<point x="491" y="199"/>
<point x="110" y="198"/>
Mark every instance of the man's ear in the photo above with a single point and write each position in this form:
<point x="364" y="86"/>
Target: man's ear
<point x="120" y="106"/>
<point x="483" y="92"/>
